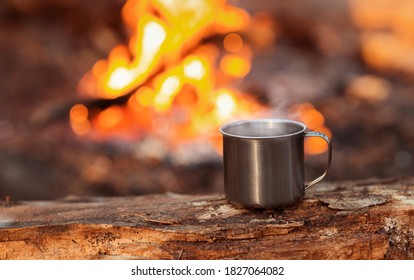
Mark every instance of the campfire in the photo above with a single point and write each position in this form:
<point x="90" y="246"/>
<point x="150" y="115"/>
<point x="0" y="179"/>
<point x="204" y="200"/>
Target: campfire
<point x="131" y="93"/>
<point x="178" y="76"/>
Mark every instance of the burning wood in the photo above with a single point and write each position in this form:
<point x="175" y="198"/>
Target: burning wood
<point x="169" y="70"/>
<point x="178" y="84"/>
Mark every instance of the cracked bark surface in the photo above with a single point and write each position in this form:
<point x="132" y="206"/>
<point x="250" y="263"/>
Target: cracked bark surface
<point x="370" y="219"/>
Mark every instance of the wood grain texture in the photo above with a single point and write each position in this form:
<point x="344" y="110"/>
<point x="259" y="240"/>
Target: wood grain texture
<point x="348" y="220"/>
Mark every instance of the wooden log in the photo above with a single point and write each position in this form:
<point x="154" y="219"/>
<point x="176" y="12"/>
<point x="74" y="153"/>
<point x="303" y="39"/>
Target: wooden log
<point x="348" y="220"/>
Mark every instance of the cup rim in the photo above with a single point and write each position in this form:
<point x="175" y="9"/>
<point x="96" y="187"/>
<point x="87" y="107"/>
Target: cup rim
<point x="287" y="121"/>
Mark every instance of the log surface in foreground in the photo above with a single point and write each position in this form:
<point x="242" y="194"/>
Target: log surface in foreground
<point x="349" y="220"/>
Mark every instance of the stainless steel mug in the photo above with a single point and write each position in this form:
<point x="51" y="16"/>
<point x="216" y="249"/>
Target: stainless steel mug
<point x="264" y="162"/>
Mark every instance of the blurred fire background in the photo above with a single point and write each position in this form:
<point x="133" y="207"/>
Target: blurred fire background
<point x="346" y="64"/>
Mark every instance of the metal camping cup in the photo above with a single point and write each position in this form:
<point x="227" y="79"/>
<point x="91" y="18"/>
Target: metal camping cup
<point x="264" y="162"/>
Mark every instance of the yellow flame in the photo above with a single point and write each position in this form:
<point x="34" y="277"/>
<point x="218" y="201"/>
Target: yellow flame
<point x="149" y="45"/>
<point x="235" y="66"/>
<point x="162" y="30"/>
<point x="144" y="96"/>
<point x="148" y="48"/>
<point x="194" y="69"/>
<point x="176" y="90"/>
<point x="121" y="78"/>
<point x="225" y="105"/>
<point x="166" y="93"/>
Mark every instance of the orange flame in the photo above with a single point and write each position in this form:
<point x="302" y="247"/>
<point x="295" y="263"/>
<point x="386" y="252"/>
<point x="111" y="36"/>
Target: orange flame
<point x="175" y="90"/>
<point x="315" y="121"/>
<point x="162" y="31"/>
<point x="177" y="85"/>
<point x="79" y="119"/>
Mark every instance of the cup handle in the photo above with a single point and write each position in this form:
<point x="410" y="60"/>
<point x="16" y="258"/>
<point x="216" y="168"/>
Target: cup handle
<point x="328" y="141"/>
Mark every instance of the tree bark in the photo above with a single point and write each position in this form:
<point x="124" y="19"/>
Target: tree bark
<point x="348" y="220"/>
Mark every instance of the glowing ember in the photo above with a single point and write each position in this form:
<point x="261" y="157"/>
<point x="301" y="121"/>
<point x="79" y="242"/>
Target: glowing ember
<point x="79" y="119"/>
<point x="233" y="42"/>
<point x="315" y="121"/>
